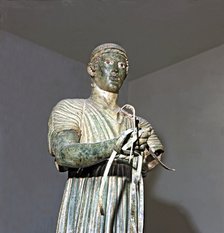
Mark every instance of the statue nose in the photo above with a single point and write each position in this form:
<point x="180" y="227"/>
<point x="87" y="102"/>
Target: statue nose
<point x="115" y="68"/>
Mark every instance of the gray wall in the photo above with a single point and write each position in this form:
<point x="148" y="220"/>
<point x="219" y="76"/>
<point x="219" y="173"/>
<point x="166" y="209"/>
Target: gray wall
<point x="185" y="104"/>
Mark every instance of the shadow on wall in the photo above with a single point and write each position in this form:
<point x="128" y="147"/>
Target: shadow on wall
<point x="162" y="216"/>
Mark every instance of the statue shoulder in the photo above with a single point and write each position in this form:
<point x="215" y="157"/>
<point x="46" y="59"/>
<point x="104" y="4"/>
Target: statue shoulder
<point x="70" y="103"/>
<point x="67" y="111"/>
<point x="66" y="115"/>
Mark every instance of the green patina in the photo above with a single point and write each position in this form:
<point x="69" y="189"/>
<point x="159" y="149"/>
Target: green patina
<point x="70" y="153"/>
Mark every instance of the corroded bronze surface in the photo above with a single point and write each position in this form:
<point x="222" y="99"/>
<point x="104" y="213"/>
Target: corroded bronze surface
<point x="83" y="133"/>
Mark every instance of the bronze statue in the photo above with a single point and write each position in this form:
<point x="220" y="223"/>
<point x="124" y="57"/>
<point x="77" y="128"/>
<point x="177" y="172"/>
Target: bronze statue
<point x="105" y="149"/>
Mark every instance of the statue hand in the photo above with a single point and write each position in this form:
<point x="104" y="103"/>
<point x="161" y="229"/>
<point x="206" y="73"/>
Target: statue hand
<point x="122" y="138"/>
<point x="141" y="144"/>
<point x="138" y="140"/>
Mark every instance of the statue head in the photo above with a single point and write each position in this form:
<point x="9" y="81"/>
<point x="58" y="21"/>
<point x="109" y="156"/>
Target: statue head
<point x="108" y="67"/>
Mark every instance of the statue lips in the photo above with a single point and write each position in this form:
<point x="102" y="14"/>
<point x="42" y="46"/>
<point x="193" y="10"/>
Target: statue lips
<point x="114" y="78"/>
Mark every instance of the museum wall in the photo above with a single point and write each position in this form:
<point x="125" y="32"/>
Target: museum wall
<point x="185" y="105"/>
<point x="32" y="80"/>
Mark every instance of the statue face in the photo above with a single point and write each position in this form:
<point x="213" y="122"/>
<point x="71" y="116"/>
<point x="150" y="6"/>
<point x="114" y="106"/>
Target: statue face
<point x="110" y="72"/>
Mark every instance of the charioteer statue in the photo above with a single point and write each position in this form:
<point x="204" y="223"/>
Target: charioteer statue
<point x="106" y="150"/>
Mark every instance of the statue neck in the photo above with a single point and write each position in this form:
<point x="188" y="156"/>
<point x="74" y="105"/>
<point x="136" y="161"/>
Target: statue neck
<point x="104" y="98"/>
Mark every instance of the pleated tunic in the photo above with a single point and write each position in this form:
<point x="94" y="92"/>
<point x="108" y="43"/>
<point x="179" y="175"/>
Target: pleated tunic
<point x="123" y="199"/>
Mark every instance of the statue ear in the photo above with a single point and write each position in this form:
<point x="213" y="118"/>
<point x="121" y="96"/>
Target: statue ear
<point x="90" y="70"/>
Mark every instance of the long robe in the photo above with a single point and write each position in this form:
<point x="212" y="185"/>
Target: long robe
<point x="122" y="198"/>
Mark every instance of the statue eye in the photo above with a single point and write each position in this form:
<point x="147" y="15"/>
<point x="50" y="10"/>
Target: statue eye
<point x="121" y="65"/>
<point x="108" y="62"/>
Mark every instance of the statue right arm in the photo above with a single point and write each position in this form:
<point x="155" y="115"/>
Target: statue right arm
<point x="70" y="153"/>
